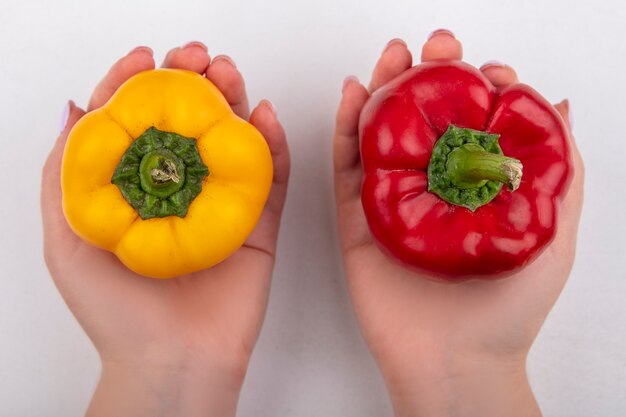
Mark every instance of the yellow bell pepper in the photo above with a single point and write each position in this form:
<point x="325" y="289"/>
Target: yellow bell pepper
<point x="165" y="175"/>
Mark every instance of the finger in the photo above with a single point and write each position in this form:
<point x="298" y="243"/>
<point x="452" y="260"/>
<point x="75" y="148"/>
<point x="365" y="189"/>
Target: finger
<point x="564" y="110"/>
<point x="54" y="223"/>
<point x="572" y="205"/>
<point x="353" y="230"/>
<point x="499" y="74"/>
<point x="346" y="158"/>
<point x="192" y="57"/>
<point x="265" y="234"/>
<point x="224" y="74"/>
<point x="442" y="44"/>
<point x="137" y="60"/>
<point x="264" y="119"/>
<point x="395" y="59"/>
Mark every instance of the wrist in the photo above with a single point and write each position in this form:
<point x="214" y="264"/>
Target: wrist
<point x="463" y="387"/>
<point x="176" y="386"/>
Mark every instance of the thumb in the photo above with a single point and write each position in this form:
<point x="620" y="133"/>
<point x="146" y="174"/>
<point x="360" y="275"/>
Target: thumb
<point x="57" y="234"/>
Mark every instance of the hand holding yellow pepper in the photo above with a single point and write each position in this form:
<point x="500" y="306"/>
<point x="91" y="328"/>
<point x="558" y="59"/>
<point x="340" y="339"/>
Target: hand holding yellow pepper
<point x="165" y="175"/>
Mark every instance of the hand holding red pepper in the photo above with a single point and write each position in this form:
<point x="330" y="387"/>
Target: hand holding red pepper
<point x="438" y="143"/>
<point x="439" y="345"/>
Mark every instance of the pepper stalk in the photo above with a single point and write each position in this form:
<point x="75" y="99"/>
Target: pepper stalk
<point x="467" y="168"/>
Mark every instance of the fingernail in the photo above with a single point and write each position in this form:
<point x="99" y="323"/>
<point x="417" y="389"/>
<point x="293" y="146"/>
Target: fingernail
<point x="395" y="41"/>
<point x="492" y="63"/>
<point x="269" y="105"/>
<point x="224" y="58"/>
<point x="348" y="80"/>
<point x="65" y="116"/>
<point x="195" y="43"/>
<point x="142" y="49"/>
<point x="440" y="32"/>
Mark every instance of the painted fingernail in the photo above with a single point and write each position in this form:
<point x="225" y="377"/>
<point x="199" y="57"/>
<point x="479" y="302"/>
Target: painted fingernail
<point x="65" y="116"/>
<point x="142" y="49"/>
<point x="224" y="58"/>
<point x="349" y="80"/>
<point x="441" y="32"/>
<point x="269" y="105"/>
<point x="196" y="44"/>
<point x="492" y="63"/>
<point x="395" y="41"/>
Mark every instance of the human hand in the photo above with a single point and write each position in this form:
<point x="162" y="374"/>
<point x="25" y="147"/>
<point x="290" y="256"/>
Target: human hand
<point x="168" y="347"/>
<point x="445" y="349"/>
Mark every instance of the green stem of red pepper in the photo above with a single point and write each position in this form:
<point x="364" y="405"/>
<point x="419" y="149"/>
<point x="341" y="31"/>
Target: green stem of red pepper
<point x="470" y="166"/>
<point x="467" y="168"/>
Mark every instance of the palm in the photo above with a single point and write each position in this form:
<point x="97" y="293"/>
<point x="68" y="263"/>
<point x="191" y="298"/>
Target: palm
<point x="217" y="311"/>
<point x="399" y="311"/>
<point x="498" y="317"/>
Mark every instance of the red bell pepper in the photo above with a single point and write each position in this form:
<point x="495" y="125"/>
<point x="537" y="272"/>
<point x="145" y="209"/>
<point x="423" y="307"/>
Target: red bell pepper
<point x="433" y="142"/>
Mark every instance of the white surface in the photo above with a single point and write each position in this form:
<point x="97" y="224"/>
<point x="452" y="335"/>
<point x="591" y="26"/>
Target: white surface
<point x="310" y="359"/>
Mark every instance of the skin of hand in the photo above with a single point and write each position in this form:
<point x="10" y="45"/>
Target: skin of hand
<point x="445" y="349"/>
<point x="177" y="347"/>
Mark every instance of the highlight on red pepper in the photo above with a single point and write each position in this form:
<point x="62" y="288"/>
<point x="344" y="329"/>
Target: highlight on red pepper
<point x="462" y="180"/>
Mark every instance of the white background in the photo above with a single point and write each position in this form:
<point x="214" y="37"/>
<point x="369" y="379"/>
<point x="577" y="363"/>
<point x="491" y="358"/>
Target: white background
<point x="310" y="359"/>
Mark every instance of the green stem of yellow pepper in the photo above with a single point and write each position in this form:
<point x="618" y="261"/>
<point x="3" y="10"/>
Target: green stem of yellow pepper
<point x="160" y="174"/>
